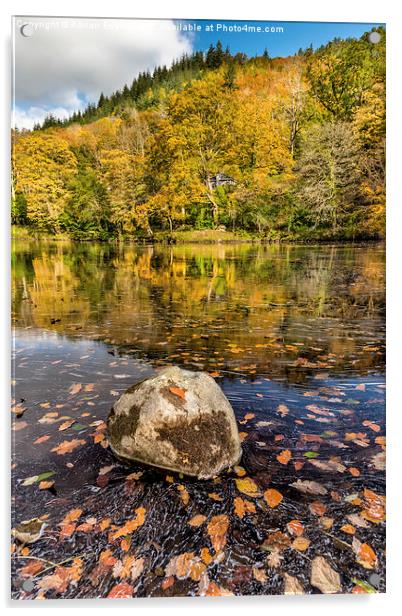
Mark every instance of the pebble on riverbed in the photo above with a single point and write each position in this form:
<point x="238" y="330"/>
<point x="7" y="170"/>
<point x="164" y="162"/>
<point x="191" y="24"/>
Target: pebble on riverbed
<point x="178" y="420"/>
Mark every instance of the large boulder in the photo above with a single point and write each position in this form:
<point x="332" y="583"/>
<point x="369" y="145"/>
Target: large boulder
<point x="177" y="420"/>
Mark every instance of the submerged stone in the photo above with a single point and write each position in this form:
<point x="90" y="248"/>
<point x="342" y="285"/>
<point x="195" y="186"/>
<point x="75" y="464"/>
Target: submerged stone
<point x="177" y="420"/>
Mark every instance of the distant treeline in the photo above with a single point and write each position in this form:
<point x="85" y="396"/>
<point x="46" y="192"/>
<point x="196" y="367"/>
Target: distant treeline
<point x="284" y="148"/>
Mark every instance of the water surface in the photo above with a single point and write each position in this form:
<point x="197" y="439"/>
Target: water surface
<point x="299" y="328"/>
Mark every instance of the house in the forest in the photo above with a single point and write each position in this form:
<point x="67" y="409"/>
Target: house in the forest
<point x="221" y="179"/>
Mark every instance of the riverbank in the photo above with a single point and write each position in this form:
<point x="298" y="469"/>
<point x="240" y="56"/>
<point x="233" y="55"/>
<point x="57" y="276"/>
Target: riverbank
<point x="200" y="236"/>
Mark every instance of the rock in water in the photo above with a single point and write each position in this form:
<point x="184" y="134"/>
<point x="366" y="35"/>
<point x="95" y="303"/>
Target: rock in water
<point x="178" y="420"/>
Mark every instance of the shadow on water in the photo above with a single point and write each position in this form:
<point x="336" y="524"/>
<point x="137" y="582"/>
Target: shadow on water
<point x="293" y="335"/>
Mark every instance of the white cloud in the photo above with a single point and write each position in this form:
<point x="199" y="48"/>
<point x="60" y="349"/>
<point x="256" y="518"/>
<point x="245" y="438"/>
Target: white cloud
<point x="27" y="118"/>
<point x="68" y="62"/>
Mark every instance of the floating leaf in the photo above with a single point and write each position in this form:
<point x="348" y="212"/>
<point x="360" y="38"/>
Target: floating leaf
<point x="365" y="555"/>
<point x="282" y="410"/>
<point x="197" y="520"/>
<point x="217" y="529"/>
<point x="68" y="446"/>
<point x="284" y="456"/>
<point x="292" y="585"/>
<point x="121" y="591"/>
<point x="323" y="577"/>
<point x="364" y="586"/>
<point x="309" y="487"/>
<point x="272" y="497"/>
<point x="318" y="508"/>
<point x="248" y="487"/>
<point x="42" y="439"/>
<point x="259" y="575"/>
<point x="46" y="485"/>
<point x="295" y="527"/>
<point x="242" y="506"/>
<point x="75" y="388"/>
<point x="301" y="544"/>
<point x="311" y="454"/>
<point x="348" y="529"/>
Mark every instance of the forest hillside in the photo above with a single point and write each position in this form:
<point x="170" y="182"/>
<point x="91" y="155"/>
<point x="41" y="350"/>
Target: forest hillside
<point x="283" y="149"/>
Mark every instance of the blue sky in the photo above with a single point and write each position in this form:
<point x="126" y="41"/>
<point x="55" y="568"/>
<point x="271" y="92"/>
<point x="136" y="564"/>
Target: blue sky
<point x="66" y="63"/>
<point x="295" y="35"/>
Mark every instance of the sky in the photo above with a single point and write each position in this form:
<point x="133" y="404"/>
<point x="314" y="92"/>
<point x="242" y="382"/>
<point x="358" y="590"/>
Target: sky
<point x="62" y="64"/>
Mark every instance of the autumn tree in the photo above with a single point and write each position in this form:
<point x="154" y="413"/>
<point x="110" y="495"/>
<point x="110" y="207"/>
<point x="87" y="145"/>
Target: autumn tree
<point x="328" y="173"/>
<point x="44" y="166"/>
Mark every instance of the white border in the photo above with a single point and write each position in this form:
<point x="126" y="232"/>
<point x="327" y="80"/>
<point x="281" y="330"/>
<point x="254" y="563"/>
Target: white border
<point x="341" y="10"/>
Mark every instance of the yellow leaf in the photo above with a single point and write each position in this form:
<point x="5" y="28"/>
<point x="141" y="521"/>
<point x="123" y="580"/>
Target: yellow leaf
<point x="247" y="487"/>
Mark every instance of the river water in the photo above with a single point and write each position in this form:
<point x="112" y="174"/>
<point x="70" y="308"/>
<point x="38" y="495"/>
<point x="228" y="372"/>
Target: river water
<point x="295" y="337"/>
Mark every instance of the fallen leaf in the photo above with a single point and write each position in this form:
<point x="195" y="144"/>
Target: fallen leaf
<point x="242" y="506"/>
<point x="272" y="497"/>
<point x="348" y="529"/>
<point x="217" y="529"/>
<point x="301" y="544"/>
<point x="295" y="527"/>
<point x="75" y="388"/>
<point x="365" y="555"/>
<point x="197" y="520"/>
<point x="214" y="590"/>
<point x="41" y="439"/>
<point x="259" y="575"/>
<point x="292" y="585"/>
<point x="19" y="425"/>
<point x="309" y="487"/>
<point x="284" y="456"/>
<point x="276" y="541"/>
<point x="378" y="461"/>
<point x="131" y="525"/>
<point x="121" y="591"/>
<point x="323" y="577"/>
<point x="177" y="391"/>
<point x="282" y="410"/>
<point x="66" y="424"/>
<point x="46" y="485"/>
<point x="68" y="446"/>
<point x="357" y="520"/>
<point x="248" y="487"/>
<point x="318" y="508"/>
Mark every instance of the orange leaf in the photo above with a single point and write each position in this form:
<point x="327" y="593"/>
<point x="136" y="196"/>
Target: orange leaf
<point x="273" y="497"/>
<point x="131" y="525"/>
<point x="68" y="446"/>
<point x="75" y="388"/>
<point x="42" y="439"/>
<point x="318" y="508"/>
<point x="284" y="456"/>
<point x="197" y="520"/>
<point x="217" y="529"/>
<point x="177" y="391"/>
<point x="301" y="544"/>
<point x="206" y="556"/>
<point x="348" y="528"/>
<point x="121" y="591"/>
<point x="366" y="556"/>
<point x="295" y="527"/>
<point x="242" y="506"/>
<point x="71" y="516"/>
